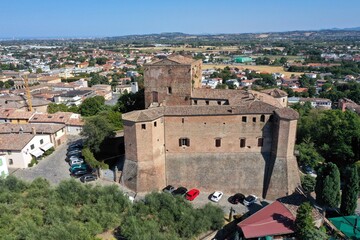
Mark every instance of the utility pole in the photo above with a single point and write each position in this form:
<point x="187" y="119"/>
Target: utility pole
<point x="28" y="95"/>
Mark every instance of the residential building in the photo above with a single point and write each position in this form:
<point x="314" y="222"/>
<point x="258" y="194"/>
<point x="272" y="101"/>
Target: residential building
<point x="19" y="149"/>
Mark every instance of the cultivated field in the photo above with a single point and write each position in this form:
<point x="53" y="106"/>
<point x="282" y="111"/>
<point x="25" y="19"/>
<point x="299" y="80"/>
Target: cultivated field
<point x="260" y="68"/>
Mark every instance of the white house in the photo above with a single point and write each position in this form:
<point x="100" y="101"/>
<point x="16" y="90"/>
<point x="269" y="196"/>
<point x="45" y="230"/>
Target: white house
<point x="19" y="149"/>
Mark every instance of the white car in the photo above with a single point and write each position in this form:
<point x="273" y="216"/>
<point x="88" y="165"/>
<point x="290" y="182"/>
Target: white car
<point x="216" y="196"/>
<point x="73" y="158"/>
<point x="76" y="161"/>
<point x="250" y="200"/>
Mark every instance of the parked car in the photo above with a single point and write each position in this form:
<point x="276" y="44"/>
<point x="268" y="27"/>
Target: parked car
<point x="79" y="173"/>
<point x="168" y="189"/>
<point x="74" y="157"/>
<point x="309" y="170"/>
<point x="250" y="200"/>
<point x="76" y="145"/>
<point x="73" y="152"/>
<point x="82" y="166"/>
<point x="88" y="178"/>
<point x="180" y="191"/>
<point x="237" y="198"/>
<point x="216" y="196"/>
<point x="192" y="194"/>
<point x="76" y="161"/>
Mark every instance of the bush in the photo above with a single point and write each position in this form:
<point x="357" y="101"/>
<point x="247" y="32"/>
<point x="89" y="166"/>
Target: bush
<point x="308" y="183"/>
<point x="48" y="152"/>
<point x="33" y="162"/>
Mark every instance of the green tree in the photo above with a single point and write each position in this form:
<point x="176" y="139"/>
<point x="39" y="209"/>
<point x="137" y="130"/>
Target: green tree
<point x="308" y="183"/>
<point x="304" y="224"/>
<point x="91" y="160"/>
<point x="131" y="101"/>
<point x="95" y="130"/>
<point x="308" y="155"/>
<point x="39" y="70"/>
<point x="350" y="192"/>
<point x="91" y="106"/>
<point x="327" y="186"/>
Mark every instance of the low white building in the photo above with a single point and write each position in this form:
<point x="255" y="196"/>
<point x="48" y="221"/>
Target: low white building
<point x="19" y="149"/>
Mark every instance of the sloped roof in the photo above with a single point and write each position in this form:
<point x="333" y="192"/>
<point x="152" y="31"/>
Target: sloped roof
<point x="287" y="113"/>
<point x="349" y="225"/>
<point x="274" y="219"/>
<point x="254" y="107"/>
<point x="179" y="59"/>
<point x="14" y="141"/>
<point x="28" y="128"/>
<point x="274" y="92"/>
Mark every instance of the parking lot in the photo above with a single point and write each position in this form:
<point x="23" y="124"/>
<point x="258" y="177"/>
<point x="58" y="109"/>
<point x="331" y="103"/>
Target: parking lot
<point x="54" y="168"/>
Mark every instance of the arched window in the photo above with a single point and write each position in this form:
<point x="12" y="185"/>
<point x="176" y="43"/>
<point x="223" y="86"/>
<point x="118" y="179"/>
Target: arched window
<point x="262" y="118"/>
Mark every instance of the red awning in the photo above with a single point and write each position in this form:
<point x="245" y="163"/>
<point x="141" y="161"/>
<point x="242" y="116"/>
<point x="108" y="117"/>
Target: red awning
<point x="274" y="219"/>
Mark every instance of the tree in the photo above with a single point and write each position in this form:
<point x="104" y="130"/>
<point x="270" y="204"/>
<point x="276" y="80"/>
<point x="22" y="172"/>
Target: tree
<point x="131" y="101"/>
<point x="327" y="186"/>
<point x="39" y="70"/>
<point x="91" y="160"/>
<point x="308" y="155"/>
<point x="95" y="130"/>
<point x="308" y="183"/>
<point x="350" y="192"/>
<point x="304" y="224"/>
<point x="53" y="108"/>
<point x="92" y="106"/>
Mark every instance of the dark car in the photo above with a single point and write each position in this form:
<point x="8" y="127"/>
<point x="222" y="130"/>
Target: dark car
<point x="79" y="172"/>
<point x="73" y="152"/>
<point x="88" y="178"/>
<point x="237" y="198"/>
<point x="168" y="189"/>
<point x="180" y="191"/>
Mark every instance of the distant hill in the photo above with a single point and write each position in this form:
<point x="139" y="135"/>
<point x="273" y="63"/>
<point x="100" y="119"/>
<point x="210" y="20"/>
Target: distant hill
<point x="346" y="29"/>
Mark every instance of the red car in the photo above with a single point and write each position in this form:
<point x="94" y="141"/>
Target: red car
<point x="192" y="194"/>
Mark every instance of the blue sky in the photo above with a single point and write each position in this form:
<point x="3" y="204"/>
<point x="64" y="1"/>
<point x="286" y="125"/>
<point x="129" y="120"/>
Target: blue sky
<point x="84" y="18"/>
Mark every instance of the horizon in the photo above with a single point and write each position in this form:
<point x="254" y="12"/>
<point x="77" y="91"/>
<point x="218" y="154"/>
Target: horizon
<point x="90" y="19"/>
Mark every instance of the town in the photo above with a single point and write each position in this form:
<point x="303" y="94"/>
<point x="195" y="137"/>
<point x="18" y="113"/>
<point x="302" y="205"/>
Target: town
<point x="181" y="136"/>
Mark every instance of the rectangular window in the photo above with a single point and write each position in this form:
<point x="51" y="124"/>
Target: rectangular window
<point x="32" y="146"/>
<point x="182" y="120"/>
<point x="184" y="142"/>
<point x="207" y="102"/>
<point x="242" y="142"/>
<point x="155" y="124"/>
<point x="41" y="141"/>
<point x="195" y="102"/>
<point x="169" y="90"/>
<point x="254" y="119"/>
<point x="9" y="152"/>
<point x="218" y="142"/>
<point x="11" y="162"/>
<point x="244" y="119"/>
<point x="260" y="142"/>
<point x="143" y="126"/>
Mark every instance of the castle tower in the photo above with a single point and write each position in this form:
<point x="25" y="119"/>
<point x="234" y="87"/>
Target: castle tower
<point x="170" y="81"/>
<point x="282" y="170"/>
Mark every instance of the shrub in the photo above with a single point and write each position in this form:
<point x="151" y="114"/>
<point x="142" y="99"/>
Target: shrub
<point x="308" y="183"/>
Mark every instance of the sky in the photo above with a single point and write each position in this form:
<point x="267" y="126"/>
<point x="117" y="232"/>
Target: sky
<point x="101" y="18"/>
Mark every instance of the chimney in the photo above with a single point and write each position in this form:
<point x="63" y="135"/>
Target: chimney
<point x="33" y="130"/>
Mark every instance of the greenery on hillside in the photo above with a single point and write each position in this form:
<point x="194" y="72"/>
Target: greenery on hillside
<point x="74" y="211"/>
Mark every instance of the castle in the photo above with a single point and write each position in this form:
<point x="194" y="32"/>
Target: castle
<point x="211" y="139"/>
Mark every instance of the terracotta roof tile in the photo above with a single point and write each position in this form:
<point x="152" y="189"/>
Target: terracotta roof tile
<point x="14" y="141"/>
<point x="28" y="128"/>
<point x="287" y="113"/>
